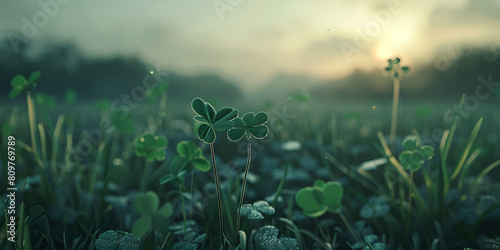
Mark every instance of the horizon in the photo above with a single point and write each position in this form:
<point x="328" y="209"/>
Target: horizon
<point x="336" y="39"/>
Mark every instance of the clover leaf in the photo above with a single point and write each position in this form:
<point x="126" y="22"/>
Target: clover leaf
<point x="254" y="212"/>
<point x="192" y="156"/>
<point x="211" y="120"/>
<point x="322" y="197"/>
<point x="376" y="207"/>
<point x="189" y="242"/>
<point x="176" y="172"/>
<point x="151" y="147"/>
<point x="153" y="216"/>
<point x="110" y="240"/>
<point x="267" y="238"/>
<point x="20" y="84"/>
<point x="250" y="125"/>
<point x="414" y="155"/>
<point x="394" y="70"/>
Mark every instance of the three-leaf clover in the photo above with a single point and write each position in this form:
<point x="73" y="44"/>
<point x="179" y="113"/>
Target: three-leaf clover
<point x="322" y="197"/>
<point x="414" y="154"/>
<point x="394" y="70"/>
<point x="148" y="205"/>
<point x="211" y="120"/>
<point x="192" y="156"/>
<point x="111" y="240"/>
<point x="375" y="207"/>
<point x="267" y="238"/>
<point x="189" y="156"/>
<point x="189" y="242"/>
<point x="151" y="147"/>
<point x="20" y="84"/>
<point x="254" y="212"/>
<point x="250" y="125"/>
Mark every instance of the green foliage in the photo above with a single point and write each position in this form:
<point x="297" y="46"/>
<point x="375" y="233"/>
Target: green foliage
<point x="20" y="84"/>
<point x="45" y="100"/>
<point x="375" y="207"/>
<point x="189" y="242"/>
<point x="151" y="147"/>
<point x="250" y="125"/>
<point x="70" y="96"/>
<point x="153" y="216"/>
<point x="192" y="156"/>
<point x="212" y="121"/>
<point x="396" y="71"/>
<point x="322" y="197"/>
<point x="254" y="212"/>
<point x="124" y="123"/>
<point x="162" y="88"/>
<point x="267" y="238"/>
<point x="414" y="155"/>
<point x="37" y="220"/>
<point x="112" y="240"/>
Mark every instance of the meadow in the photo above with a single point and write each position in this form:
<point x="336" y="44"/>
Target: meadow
<point x="302" y="173"/>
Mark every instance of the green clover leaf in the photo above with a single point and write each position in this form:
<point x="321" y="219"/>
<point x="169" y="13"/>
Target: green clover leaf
<point x="394" y="70"/>
<point x="414" y="155"/>
<point x="193" y="156"/>
<point x="250" y="125"/>
<point x="153" y="216"/>
<point x="211" y="120"/>
<point x="151" y="147"/>
<point x="113" y="240"/>
<point x="267" y="238"/>
<point x="254" y="212"/>
<point x="322" y="197"/>
<point x="20" y="84"/>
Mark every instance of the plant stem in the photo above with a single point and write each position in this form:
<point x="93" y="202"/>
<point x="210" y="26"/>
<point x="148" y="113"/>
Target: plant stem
<point x="183" y="209"/>
<point x="280" y="186"/>
<point x="32" y="123"/>
<point x="145" y="175"/>
<point x="219" y="203"/>
<point x="394" y="120"/>
<point x="350" y="229"/>
<point x="238" y="218"/>
<point x="191" y="200"/>
<point x="410" y="196"/>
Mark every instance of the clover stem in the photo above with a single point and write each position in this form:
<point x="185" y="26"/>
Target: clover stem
<point x="409" y="203"/>
<point x="191" y="200"/>
<point x="145" y="175"/>
<point x="219" y="203"/>
<point x="394" y="120"/>
<point x="183" y="209"/>
<point x="350" y="229"/>
<point x="238" y="218"/>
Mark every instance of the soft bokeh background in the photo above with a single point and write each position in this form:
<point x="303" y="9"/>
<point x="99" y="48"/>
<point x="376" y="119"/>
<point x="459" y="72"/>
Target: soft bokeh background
<point x="251" y="51"/>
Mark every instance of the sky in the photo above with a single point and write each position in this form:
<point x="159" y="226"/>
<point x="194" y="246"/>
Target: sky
<point x="250" y="42"/>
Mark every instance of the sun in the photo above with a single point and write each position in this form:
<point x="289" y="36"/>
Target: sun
<point x="383" y="52"/>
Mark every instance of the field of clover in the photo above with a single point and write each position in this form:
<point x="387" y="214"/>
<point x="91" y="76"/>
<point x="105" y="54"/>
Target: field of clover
<point x="208" y="177"/>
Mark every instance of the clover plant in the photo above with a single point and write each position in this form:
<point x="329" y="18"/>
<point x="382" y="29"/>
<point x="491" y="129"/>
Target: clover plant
<point x="267" y="238"/>
<point x="189" y="157"/>
<point x="212" y="121"/>
<point x="190" y="241"/>
<point x="21" y="84"/>
<point x="147" y="204"/>
<point x="111" y="240"/>
<point x="254" y="211"/>
<point x="321" y="198"/>
<point x="395" y="72"/>
<point x="250" y="125"/>
<point x="151" y="147"/>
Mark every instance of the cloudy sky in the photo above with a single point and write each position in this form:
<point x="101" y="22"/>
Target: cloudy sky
<point x="249" y="42"/>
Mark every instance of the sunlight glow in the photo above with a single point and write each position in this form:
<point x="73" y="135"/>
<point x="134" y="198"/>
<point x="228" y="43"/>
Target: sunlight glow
<point x="383" y="52"/>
